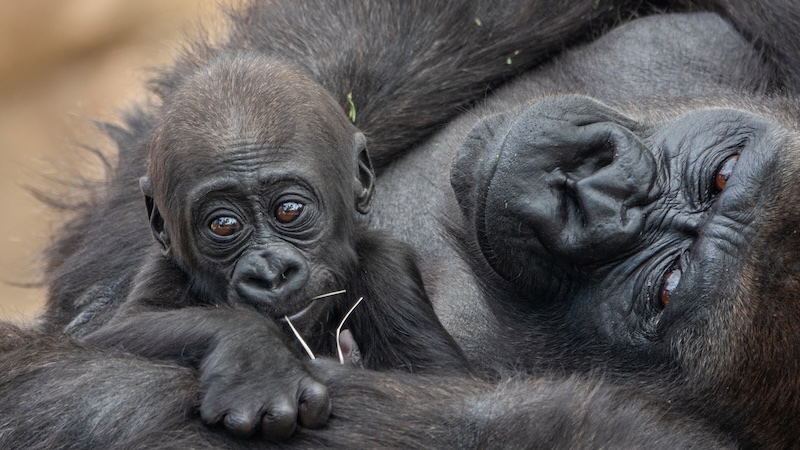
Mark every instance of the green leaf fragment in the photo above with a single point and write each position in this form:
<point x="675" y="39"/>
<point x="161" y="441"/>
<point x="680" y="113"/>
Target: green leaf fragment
<point x="352" y="113"/>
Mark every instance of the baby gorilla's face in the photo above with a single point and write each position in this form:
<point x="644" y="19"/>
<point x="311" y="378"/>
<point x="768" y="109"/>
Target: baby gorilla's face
<point x="258" y="177"/>
<point x="271" y="232"/>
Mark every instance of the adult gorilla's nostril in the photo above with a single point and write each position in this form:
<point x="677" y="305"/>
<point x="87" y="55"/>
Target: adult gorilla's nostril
<point x="588" y="160"/>
<point x="609" y="188"/>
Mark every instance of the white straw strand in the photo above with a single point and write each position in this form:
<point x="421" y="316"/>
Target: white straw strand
<point x="329" y="294"/>
<point x="300" y="338"/>
<point x="339" y="330"/>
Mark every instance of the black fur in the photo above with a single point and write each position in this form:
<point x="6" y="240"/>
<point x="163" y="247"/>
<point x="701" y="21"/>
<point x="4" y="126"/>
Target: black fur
<point x="445" y="54"/>
<point x="410" y="93"/>
<point x="127" y="402"/>
<point x="398" y="331"/>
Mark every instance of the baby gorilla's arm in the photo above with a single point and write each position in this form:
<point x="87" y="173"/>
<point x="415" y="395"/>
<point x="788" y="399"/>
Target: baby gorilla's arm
<point x="250" y="381"/>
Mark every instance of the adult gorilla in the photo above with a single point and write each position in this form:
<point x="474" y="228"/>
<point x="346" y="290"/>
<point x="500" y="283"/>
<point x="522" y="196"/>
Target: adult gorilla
<point x="607" y="236"/>
<point x="647" y="225"/>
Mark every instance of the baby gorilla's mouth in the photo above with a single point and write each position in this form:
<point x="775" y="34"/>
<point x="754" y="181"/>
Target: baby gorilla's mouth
<point x="301" y="313"/>
<point x="310" y="311"/>
<point x="347" y="349"/>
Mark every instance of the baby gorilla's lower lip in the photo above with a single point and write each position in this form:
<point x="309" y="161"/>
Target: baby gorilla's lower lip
<point x="301" y="313"/>
<point x="307" y="313"/>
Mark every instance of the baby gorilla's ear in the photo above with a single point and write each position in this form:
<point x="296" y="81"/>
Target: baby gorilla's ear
<point x="365" y="175"/>
<point x="156" y="221"/>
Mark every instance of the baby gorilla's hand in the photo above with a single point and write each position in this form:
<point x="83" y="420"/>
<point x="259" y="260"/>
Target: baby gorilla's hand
<point x="249" y="379"/>
<point x="250" y="382"/>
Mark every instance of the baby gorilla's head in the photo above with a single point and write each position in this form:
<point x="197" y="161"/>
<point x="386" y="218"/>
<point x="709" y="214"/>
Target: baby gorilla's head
<point x="255" y="180"/>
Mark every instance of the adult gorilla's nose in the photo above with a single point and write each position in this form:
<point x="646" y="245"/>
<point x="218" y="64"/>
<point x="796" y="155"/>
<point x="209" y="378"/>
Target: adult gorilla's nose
<point x="604" y="192"/>
<point x="567" y="180"/>
<point x="271" y="277"/>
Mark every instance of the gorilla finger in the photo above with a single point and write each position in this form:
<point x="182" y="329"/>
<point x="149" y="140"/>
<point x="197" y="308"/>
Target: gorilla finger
<point x="280" y="421"/>
<point x="315" y="405"/>
<point x="211" y="411"/>
<point x="241" y="423"/>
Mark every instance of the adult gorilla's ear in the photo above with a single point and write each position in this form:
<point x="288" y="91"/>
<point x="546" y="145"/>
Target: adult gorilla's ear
<point x="365" y="176"/>
<point x="156" y="221"/>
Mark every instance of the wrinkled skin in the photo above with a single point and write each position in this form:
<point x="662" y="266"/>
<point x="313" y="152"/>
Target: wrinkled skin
<point x="623" y="135"/>
<point x="221" y="180"/>
<point x="573" y="196"/>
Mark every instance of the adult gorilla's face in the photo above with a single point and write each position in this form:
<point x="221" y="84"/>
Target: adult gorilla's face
<point x="667" y="237"/>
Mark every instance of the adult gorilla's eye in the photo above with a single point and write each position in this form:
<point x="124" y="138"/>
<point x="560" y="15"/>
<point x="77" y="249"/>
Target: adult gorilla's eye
<point x="225" y="226"/>
<point x="671" y="282"/>
<point x="288" y="212"/>
<point x="724" y="172"/>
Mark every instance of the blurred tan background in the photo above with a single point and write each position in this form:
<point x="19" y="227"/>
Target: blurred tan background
<point x="63" y="63"/>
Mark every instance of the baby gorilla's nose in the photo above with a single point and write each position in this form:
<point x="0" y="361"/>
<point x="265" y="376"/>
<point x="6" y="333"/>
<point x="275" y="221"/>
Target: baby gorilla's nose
<point x="270" y="277"/>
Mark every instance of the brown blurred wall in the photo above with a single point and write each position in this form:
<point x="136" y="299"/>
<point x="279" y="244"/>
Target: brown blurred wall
<point x="63" y="63"/>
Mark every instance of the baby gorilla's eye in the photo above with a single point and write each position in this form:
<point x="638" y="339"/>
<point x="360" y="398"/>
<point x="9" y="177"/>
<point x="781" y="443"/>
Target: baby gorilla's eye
<point x="225" y="226"/>
<point x="288" y="212"/>
<point x="671" y="282"/>
<point x="724" y="172"/>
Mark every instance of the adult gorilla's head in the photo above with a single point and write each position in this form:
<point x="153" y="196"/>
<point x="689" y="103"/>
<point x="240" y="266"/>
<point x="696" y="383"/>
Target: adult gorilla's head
<point x="672" y="237"/>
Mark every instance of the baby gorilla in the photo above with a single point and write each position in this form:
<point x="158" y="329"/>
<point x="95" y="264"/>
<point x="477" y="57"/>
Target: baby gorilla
<point x="256" y="184"/>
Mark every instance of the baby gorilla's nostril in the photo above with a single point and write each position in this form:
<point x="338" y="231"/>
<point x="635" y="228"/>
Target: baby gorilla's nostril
<point x="289" y="273"/>
<point x="259" y="283"/>
<point x="270" y="282"/>
<point x="270" y="276"/>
